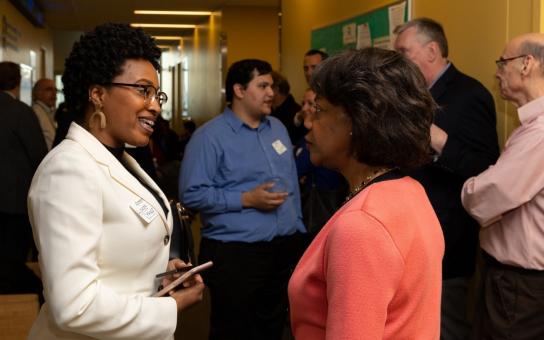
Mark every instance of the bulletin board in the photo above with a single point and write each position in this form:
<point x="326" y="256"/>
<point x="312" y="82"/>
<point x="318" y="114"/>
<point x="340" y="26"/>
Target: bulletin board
<point x="374" y="28"/>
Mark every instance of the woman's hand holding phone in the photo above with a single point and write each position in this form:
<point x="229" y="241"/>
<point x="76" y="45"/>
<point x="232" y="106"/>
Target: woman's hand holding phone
<point x="191" y="294"/>
<point x="193" y="285"/>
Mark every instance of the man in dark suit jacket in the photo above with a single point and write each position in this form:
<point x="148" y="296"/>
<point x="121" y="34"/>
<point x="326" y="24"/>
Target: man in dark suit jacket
<point x="22" y="147"/>
<point x="285" y="107"/>
<point x="464" y="141"/>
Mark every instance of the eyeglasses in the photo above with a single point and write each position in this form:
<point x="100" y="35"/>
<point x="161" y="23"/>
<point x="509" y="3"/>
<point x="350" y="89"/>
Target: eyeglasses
<point x="149" y="92"/>
<point x="317" y="108"/>
<point x="501" y="62"/>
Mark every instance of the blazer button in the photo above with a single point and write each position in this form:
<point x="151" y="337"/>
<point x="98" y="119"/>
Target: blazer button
<point x="166" y="239"/>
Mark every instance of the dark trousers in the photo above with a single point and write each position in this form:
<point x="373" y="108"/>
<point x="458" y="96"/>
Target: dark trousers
<point x="248" y="286"/>
<point x="512" y="303"/>
<point x="15" y="244"/>
<point x="455" y="324"/>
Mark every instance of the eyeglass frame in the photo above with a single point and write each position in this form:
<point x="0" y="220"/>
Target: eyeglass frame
<point x="147" y="101"/>
<point x="501" y="62"/>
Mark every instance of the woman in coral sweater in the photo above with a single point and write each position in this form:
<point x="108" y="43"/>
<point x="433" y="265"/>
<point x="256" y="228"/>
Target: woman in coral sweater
<point x="374" y="271"/>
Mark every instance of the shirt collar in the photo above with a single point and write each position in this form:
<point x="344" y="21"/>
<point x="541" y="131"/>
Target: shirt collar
<point x="10" y="94"/>
<point x="440" y="74"/>
<point x="531" y="110"/>
<point x="236" y="123"/>
<point x="47" y="109"/>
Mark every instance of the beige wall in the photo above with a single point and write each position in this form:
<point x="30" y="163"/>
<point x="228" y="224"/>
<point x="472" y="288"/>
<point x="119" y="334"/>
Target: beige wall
<point x="202" y="51"/>
<point x="250" y="32"/>
<point x="31" y="39"/>
<point x="63" y="42"/>
<point x="476" y="30"/>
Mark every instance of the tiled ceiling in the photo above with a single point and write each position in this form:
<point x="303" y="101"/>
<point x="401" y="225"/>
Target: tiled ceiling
<point x="83" y="15"/>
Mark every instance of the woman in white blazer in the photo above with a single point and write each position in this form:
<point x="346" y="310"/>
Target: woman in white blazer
<point x="101" y="225"/>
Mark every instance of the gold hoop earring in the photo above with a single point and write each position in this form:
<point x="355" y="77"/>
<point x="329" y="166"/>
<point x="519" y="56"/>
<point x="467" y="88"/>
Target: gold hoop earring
<point x="101" y="116"/>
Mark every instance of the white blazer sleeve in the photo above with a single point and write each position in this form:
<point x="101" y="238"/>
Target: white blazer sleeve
<point x="65" y="207"/>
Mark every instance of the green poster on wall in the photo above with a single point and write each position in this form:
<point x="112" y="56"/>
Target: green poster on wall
<point x="374" y="28"/>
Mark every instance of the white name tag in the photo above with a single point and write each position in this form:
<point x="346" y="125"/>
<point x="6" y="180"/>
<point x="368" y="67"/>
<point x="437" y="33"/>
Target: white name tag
<point x="144" y="210"/>
<point x="279" y="147"/>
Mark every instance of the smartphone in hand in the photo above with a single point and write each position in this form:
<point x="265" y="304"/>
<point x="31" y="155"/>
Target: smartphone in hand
<point x="184" y="277"/>
<point x="174" y="271"/>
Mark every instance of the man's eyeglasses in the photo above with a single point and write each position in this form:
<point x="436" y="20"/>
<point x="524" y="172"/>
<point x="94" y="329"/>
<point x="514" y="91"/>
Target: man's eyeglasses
<point x="149" y="92"/>
<point x="501" y="62"/>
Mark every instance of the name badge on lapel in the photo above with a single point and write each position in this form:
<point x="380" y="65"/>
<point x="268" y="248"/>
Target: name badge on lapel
<point x="279" y="147"/>
<point x="144" y="210"/>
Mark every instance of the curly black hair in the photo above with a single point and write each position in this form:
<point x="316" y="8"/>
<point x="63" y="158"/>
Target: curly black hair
<point x="386" y="98"/>
<point x="98" y="57"/>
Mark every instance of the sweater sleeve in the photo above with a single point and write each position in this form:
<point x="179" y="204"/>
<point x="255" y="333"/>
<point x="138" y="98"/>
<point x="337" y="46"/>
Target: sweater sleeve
<point x="363" y="268"/>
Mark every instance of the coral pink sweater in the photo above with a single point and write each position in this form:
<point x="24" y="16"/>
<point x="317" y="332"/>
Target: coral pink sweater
<point x="374" y="271"/>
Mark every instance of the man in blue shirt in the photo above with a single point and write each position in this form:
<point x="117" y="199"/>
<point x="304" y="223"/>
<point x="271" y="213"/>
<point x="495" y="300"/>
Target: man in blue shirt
<point x="239" y="173"/>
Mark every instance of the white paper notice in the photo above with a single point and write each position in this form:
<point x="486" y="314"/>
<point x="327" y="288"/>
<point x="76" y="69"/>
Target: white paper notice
<point x="349" y="33"/>
<point x="396" y="17"/>
<point x="363" y="36"/>
<point x="383" y="42"/>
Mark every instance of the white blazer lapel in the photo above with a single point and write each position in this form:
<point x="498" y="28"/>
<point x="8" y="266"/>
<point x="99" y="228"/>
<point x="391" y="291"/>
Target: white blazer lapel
<point x="131" y="162"/>
<point x="120" y="174"/>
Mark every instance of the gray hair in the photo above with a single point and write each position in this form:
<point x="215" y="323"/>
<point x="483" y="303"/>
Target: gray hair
<point x="535" y="49"/>
<point x="430" y="29"/>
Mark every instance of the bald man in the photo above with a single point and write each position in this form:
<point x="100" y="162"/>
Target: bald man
<point x="44" y="95"/>
<point x="507" y="200"/>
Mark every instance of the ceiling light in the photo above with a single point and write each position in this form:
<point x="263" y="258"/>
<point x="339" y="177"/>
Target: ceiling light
<point x="172" y="12"/>
<point x="167" y="37"/>
<point x="164" y="46"/>
<point x="163" y="25"/>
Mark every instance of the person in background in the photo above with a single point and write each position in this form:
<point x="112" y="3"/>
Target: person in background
<point x="322" y="190"/>
<point x="22" y="147"/>
<point x="374" y="270"/>
<point x="44" y="98"/>
<point x="312" y="58"/>
<point x="507" y="200"/>
<point x="101" y="225"/>
<point x="165" y="142"/>
<point x="464" y="143"/>
<point x="63" y="119"/>
<point x="284" y="107"/>
<point x="166" y="153"/>
<point x="189" y="127"/>
<point x="239" y="173"/>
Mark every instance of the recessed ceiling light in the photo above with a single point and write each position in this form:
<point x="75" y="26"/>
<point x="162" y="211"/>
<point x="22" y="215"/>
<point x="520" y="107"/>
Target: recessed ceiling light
<point x="172" y="12"/>
<point x="163" y="25"/>
<point x="167" y="37"/>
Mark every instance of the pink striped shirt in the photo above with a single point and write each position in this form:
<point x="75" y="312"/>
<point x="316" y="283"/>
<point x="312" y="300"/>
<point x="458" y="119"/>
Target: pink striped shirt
<point x="508" y="198"/>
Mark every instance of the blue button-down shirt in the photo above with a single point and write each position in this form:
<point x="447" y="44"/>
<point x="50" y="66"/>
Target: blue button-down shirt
<point x="226" y="157"/>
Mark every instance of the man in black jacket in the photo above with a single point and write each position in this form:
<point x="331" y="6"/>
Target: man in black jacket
<point x="284" y="107"/>
<point x="22" y="147"/>
<point x="464" y="143"/>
